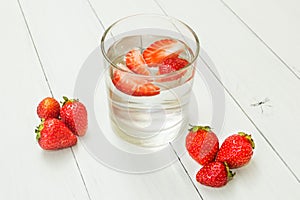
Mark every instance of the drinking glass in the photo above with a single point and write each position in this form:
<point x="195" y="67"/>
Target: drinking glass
<point x="149" y="65"/>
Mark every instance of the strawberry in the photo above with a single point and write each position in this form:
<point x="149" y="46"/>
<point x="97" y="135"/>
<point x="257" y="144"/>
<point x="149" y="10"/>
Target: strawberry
<point x="74" y="114"/>
<point x="214" y="174"/>
<point x="136" y="63"/>
<point x="236" y="150"/>
<point x="53" y="134"/>
<point x="125" y="82"/>
<point x="160" y="50"/>
<point x="48" y="108"/>
<point x="172" y="64"/>
<point x="202" y="144"/>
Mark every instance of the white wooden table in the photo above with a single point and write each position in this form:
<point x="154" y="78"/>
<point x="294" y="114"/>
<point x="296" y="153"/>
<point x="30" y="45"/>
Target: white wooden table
<point x="254" y="46"/>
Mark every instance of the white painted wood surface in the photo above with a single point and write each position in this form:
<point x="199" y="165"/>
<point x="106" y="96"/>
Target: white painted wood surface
<point x="59" y="38"/>
<point x="27" y="172"/>
<point x="276" y="23"/>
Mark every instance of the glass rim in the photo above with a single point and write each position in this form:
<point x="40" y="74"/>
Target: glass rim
<point x="166" y="17"/>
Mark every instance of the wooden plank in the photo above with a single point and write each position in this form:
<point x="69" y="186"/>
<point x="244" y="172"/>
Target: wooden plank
<point x="27" y="172"/>
<point x="250" y="72"/>
<point x="276" y="23"/>
<point x="64" y="41"/>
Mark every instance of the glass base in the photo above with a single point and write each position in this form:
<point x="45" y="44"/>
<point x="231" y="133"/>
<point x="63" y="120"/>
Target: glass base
<point x="161" y="138"/>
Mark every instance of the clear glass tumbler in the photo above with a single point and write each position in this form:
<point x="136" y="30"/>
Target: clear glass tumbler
<point x="149" y="65"/>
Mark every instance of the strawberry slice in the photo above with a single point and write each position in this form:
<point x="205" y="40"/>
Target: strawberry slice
<point x="136" y="63"/>
<point x="130" y="85"/>
<point x="160" y="50"/>
<point x="172" y="64"/>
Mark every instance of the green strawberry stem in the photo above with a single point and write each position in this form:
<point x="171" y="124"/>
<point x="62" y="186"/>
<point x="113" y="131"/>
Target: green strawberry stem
<point x="248" y="137"/>
<point x="197" y="128"/>
<point x="38" y="129"/>
<point x="67" y="100"/>
<point x="230" y="174"/>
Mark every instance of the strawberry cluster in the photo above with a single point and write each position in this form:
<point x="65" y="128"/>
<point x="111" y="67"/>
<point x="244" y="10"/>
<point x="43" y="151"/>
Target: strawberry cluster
<point x="161" y="55"/>
<point x="60" y="125"/>
<point x="203" y="146"/>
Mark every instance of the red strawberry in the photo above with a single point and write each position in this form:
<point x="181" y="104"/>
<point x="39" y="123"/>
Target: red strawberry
<point x="134" y="86"/>
<point x="53" y="134"/>
<point x="74" y="114"/>
<point x="48" y="108"/>
<point x="136" y="63"/>
<point x="214" y="174"/>
<point x="236" y="150"/>
<point x="172" y="64"/>
<point x="202" y="144"/>
<point x="160" y="50"/>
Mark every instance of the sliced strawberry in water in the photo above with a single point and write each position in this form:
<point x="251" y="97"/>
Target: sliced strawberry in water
<point x="136" y="63"/>
<point x="160" y="50"/>
<point x="127" y="83"/>
<point x="172" y="64"/>
<point x="148" y="89"/>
